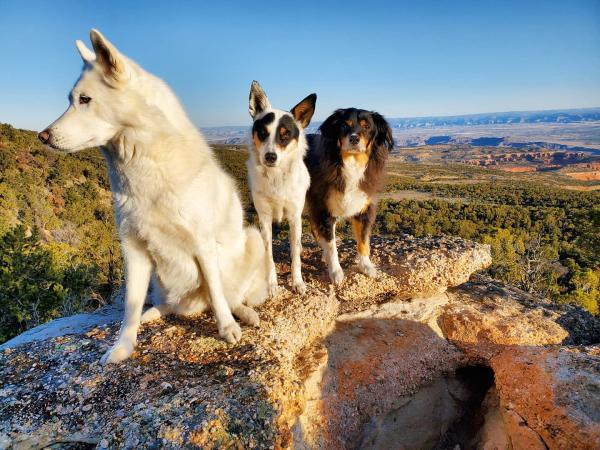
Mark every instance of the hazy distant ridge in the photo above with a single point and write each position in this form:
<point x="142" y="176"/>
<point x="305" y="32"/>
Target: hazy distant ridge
<point x="550" y="116"/>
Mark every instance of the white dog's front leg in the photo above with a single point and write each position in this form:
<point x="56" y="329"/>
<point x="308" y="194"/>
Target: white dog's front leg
<point x="266" y="230"/>
<point x="208" y="259"/>
<point x="138" y="266"/>
<point x="296" y="251"/>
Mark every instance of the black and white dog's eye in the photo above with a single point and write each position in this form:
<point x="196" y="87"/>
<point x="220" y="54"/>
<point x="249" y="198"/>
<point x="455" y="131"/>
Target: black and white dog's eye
<point x="84" y="99"/>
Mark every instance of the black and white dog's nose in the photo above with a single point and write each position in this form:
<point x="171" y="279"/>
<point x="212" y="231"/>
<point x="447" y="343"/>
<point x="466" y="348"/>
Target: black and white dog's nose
<point x="270" y="157"/>
<point x="354" y="139"/>
<point x="44" y="136"/>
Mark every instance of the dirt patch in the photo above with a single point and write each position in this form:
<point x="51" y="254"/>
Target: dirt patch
<point x="585" y="176"/>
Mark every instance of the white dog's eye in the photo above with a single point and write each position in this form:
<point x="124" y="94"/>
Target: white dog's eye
<point x="84" y="99"/>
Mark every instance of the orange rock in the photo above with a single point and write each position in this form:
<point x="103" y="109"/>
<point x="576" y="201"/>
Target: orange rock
<point x="555" y="391"/>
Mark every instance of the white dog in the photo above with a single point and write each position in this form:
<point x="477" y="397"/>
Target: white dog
<point x="178" y="212"/>
<point x="277" y="174"/>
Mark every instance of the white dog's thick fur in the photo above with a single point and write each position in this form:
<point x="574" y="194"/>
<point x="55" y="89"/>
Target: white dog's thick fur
<point x="178" y="212"/>
<point x="277" y="175"/>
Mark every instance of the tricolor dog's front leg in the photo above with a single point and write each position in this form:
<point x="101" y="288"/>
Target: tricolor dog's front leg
<point x="296" y="251"/>
<point x="323" y="227"/>
<point x="138" y="266"/>
<point x="361" y="224"/>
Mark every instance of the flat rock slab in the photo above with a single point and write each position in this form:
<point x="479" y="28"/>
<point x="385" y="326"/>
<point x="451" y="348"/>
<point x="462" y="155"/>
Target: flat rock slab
<point x="409" y="267"/>
<point x="76" y="324"/>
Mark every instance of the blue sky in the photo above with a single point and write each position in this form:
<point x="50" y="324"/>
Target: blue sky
<point x="400" y="58"/>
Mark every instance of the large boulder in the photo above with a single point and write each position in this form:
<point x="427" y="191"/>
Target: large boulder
<point x="414" y="359"/>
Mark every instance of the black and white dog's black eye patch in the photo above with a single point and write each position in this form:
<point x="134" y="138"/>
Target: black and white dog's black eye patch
<point x="260" y="126"/>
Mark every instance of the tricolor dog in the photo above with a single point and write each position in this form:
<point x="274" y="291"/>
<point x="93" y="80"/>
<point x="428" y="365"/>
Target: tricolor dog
<point x="179" y="214"/>
<point x="347" y="167"/>
<point x="277" y="175"/>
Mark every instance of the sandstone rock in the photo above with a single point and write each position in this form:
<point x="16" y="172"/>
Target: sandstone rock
<point x="362" y="364"/>
<point x="482" y="318"/>
<point x="553" y="391"/>
<point x="182" y="386"/>
<point x="363" y="369"/>
<point x="409" y="268"/>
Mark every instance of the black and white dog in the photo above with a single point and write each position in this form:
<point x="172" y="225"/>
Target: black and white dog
<point x="347" y="167"/>
<point x="277" y="175"/>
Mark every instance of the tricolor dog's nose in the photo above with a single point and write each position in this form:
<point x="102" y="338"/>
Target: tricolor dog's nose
<point x="354" y="139"/>
<point x="44" y="136"/>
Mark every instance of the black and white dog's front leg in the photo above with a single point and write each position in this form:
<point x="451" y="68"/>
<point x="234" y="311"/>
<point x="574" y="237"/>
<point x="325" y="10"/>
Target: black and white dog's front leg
<point x="296" y="251"/>
<point x="266" y="230"/>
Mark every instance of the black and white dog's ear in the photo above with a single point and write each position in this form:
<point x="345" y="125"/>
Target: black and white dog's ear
<point x="330" y="129"/>
<point x="258" y="101"/>
<point x="383" y="132"/>
<point x="86" y="54"/>
<point x="304" y="110"/>
<point x="109" y="58"/>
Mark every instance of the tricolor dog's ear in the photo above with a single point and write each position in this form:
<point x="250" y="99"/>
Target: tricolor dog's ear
<point x="109" y="58"/>
<point x="304" y="110"/>
<point x="258" y="101"/>
<point x="383" y="132"/>
<point x="86" y="54"/>
<point x="330" y="129"/>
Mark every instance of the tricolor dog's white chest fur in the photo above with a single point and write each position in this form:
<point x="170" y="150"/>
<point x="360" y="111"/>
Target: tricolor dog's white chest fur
<point x="353" y="200"/>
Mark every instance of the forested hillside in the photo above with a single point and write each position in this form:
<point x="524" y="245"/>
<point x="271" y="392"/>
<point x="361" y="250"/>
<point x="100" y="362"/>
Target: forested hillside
<point x="59" y="252"/>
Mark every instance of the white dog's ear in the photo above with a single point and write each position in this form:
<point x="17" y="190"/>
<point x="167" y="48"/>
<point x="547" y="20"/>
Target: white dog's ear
<point x="86" y="54"/>
<point x="108" y="57"/>
<point x="258" y="100"/>
<point x="304" y="110"/>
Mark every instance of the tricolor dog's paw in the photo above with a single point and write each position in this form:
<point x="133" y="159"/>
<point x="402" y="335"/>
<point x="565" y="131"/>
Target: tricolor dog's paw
<point x="366" y="266"/>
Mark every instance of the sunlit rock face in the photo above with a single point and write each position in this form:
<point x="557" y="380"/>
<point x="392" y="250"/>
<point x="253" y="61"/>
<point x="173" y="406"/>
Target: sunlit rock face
<point x="420" y="357"/>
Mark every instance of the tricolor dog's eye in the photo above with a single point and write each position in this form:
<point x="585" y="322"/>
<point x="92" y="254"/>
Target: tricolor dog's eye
<point x="365" y="125"/>
<point x="84" y="99"/>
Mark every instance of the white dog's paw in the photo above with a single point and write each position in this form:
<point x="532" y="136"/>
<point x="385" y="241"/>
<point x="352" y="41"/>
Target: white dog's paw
<point x="299" y="287"/>
<point x="119" y="352"/>
<point x="273" y="288"/>
<point x="336" y="275"/>
<point x="231" y="333"/>
<point x="151" y="314"/>
<point x="367" y="267"/>
<point x="247" y="315"/>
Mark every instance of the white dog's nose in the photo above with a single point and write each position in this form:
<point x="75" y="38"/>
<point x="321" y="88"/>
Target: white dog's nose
<point x="44" y="136"/>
